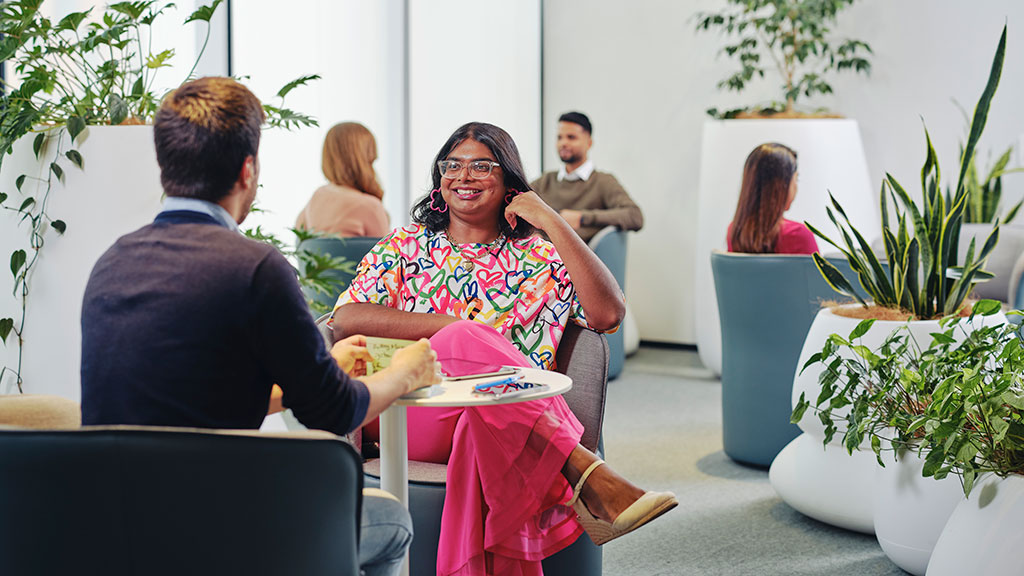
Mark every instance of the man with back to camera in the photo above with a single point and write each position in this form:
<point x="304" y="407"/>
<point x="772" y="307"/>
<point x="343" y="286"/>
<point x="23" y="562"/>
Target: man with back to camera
<point x="588" y="200"/>
<point x="186" y="322"/>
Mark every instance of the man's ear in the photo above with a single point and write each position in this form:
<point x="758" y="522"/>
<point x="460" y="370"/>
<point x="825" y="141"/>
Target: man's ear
<point x="248" y="172"/>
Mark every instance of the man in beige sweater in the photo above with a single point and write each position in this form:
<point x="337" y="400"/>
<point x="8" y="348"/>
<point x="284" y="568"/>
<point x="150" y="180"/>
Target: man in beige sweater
<point x="588" y="200"/>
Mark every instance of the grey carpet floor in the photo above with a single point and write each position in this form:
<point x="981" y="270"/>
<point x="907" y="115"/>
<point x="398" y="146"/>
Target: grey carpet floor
<point x="663" y="431"/>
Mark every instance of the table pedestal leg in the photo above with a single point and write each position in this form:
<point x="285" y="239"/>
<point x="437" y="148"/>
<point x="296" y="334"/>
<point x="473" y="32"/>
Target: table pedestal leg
<point x="394" y="458"/>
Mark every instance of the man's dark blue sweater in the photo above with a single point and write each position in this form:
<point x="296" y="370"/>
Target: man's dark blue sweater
<point x="188" y="323"/>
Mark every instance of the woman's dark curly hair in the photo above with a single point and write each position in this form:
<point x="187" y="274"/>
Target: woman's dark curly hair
<point x="505" y="153"/>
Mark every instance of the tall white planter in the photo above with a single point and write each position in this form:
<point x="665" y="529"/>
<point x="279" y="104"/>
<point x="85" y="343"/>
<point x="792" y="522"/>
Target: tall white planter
<point x="985" y="534"/>
<point x="911" y="510"/>
<point x="117" y="191"/>
<point x="831" y="159"/>
<point x="817" y="483"/>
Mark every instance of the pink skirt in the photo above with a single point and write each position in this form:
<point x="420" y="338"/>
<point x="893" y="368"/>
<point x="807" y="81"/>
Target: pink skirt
<point x="503" y="509"/>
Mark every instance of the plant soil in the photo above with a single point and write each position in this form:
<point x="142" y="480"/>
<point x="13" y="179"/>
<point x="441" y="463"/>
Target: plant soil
<point x="881" y="313"/>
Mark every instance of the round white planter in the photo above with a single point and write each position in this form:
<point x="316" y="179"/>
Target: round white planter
<point x="911" y="510"/>
<point x="117" y="192"/>
<point x="828" y="484"/>
<point x="831" y="159"/>
<point x="984" y="535"/>
<point x="1001" y="260"/>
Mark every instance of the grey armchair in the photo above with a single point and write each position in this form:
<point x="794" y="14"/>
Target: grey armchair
<point x="766" y="304"/>
<point x="133" y="501"/>
<point x="352" y="249"/>
<point x="609" y="244"/>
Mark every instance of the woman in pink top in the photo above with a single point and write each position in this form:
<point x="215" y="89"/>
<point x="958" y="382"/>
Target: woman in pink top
<point x="350" y="204"/>
<point x="768" y="190"/>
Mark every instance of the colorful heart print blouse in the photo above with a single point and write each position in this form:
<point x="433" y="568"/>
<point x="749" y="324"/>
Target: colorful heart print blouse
<point x="520" y="287"/>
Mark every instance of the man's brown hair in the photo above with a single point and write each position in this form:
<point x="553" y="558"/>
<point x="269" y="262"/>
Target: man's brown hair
<point x="203" y="133"/>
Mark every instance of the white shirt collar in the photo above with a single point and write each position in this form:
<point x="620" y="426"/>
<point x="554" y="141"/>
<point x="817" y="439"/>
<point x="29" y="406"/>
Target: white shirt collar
<point x="215" y="211"/>
<point x="581" y="173"/>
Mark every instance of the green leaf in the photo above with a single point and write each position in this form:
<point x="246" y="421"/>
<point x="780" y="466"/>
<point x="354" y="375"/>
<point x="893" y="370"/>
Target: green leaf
<point x="3" y="197"/>
<point x="6" y="325"/>
<point x="37" y="144"/>
<point x="17" y="261"/>
<point x="20" y="181"/>
<point x="942" y="338"/>
<point x="118" y="109"/>
<point x="835" y="278"/>
<point x="159" y="60"/>
<point x="986" y="307"/>
<point x="24" y="205"/>
<point x="59" y="226"/>
<point x="204" y="13"/>
<point x="57" y="170"/>
<point x="301" y="81"/>
<point x="798" y="410"/>
<point x="861" y="329"/>
<point x="75" y="157"/>
<point x="981" y="109"/>
<point x="76" y="124"/>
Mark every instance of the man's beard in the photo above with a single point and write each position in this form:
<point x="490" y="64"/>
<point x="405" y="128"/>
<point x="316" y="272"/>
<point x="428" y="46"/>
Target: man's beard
<point x="572" y="159"/>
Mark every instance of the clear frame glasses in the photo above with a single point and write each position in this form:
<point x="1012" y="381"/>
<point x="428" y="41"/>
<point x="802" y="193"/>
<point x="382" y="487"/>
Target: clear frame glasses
<point x="478" y="169"/>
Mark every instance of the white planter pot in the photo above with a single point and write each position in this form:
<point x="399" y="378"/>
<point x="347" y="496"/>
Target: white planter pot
<point x="831" y="158"/>
<point x="911" y="510"/>
<point x="1001" y="260"/>
<point x="117" y="192"/>
<point x="827" y="484"/>
<point x="984" y="535"/>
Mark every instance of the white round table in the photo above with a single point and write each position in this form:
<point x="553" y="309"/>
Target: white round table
<point x="394" y="446"/>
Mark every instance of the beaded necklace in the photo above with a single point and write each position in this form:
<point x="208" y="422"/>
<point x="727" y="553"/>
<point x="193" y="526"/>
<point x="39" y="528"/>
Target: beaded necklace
<point x="493" y="248"/>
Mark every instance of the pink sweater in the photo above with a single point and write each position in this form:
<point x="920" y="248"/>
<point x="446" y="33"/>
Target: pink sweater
<point x="344" y="211"/>
<point x="794" y="238"/>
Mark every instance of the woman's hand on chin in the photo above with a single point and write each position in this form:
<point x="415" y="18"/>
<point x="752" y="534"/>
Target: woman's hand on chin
<point x="533" y="210"/>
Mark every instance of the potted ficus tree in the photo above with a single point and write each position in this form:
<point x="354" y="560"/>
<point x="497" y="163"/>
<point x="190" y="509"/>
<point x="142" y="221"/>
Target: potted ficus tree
<point x="77" y="166"/>
<point x="919" y="283"/>
<point x="791" y="47"/>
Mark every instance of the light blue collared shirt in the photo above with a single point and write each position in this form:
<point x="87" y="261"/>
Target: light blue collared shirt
<point x="581" y="173"/>
<point x="215" y="211"/>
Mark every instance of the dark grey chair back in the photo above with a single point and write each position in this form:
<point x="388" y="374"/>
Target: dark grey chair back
<point x="132" y="501"/>
<point x="351" y="249"/>
<point x="766" y="304"/>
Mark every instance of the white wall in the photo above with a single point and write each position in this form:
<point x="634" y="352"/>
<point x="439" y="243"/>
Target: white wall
<point x="645" y="78"/>
<point x="357" y="48"/>
<point x="360" y="49"/>
<point x="494" y="48"/>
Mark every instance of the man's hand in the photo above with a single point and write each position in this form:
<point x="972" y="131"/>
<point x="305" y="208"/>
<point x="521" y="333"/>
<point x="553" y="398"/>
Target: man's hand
<point x="573" y="217"/>
<point x="416" y="365"/>
<point x="351" y="355"/>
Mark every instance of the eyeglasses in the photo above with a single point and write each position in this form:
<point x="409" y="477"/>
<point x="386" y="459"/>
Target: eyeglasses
<point x="478" y="169"/>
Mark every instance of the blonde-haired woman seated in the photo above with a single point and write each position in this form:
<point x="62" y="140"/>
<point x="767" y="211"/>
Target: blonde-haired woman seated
<point x="350" y="203"/>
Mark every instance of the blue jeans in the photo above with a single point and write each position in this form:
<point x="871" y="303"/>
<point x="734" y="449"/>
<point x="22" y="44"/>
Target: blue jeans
<point x="385" y="535"/>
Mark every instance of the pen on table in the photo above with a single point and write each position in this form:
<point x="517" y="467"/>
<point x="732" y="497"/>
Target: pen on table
<point x="510" y="380"/>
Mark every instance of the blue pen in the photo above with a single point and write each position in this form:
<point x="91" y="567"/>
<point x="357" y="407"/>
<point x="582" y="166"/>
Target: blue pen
<point x="510" y="380"/>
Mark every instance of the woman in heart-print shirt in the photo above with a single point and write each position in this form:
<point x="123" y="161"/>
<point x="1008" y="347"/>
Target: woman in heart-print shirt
<point x="472" y="275"/>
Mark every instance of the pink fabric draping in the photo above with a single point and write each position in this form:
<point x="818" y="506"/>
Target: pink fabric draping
<point x="503" y="510"/>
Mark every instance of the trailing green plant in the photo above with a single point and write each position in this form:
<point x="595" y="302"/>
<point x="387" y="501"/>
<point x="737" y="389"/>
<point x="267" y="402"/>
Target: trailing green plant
<point x="76" y="72"/>
<point x="792" y="37"/>
<point x="922" y="276"/>
<point x="957" y="402"/>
